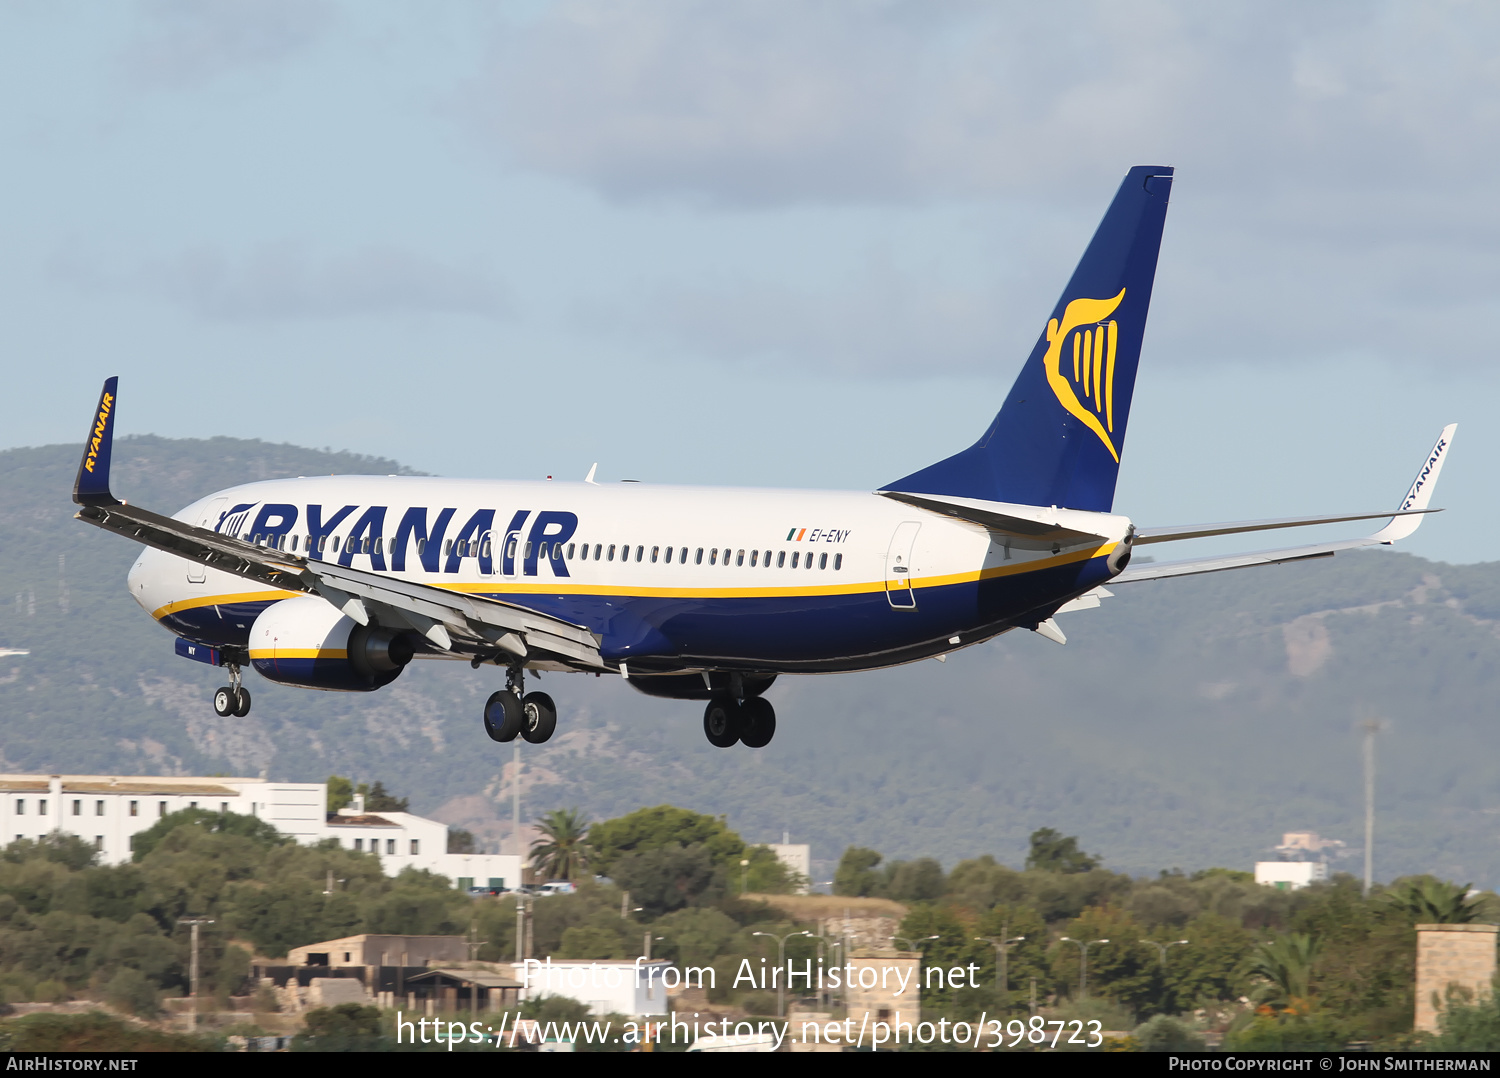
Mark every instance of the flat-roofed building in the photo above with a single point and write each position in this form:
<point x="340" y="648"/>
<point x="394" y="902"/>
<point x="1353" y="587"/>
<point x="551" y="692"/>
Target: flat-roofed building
<point x="107" y="811"/>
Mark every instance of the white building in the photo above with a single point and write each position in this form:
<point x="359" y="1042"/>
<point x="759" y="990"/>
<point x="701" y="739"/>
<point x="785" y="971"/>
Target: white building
<point x="795" y="856"/>
<point x="1290" y="875"/>
<point x="108" y="810"/>
<point x="609" y="986"/>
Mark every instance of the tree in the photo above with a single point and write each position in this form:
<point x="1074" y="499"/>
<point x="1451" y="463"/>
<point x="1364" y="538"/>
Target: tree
<point x="856" y="874"/>
<point x="1427" y="900"/>
<point x="659" y="827"/>
<point x="378" y="800"/>
<point x="670" y="877"/>
<point x="340" y="792"/>
<point x="563" y="852"/>
<point x="214" y="823"/>
<point x="1052" y="851"/>
<point x="461" y="841"/>
<point x="1286" y="964"/>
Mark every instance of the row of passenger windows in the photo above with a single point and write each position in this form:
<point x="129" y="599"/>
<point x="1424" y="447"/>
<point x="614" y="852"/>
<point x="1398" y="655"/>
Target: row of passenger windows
<point x="800" y="559"/>
<point x="481" y="548"/>
<point x="134" y="810"/>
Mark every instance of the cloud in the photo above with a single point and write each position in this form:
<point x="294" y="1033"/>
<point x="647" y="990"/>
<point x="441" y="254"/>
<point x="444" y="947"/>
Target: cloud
<point x="1336" y="161"/>
<point x="186" y="43"/>
<point x="775" y="100"/>
<point x="279" y="281"/>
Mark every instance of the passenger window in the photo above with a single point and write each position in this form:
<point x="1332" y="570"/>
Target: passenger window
<point x="754" y="557"/>
<point x="369" y="545"/>
<point x="698" y="559"/>
<point x="337" y="544"/>
<point x="682" y="557"/>
<point x="795" y="555"/>
<point x="611" y="552"/>
<point x="379" y="545"/>
<point x="572" y="547"/>
<point x="667" y="557"/>
<point x="838" y="562"/>
<point x="655" y="552"/>
<point x="294" y="543"/>
<point x="597" y="548"/>
<point x="510" y="547"/>
<point x="541" y="552"/>
<point x="822" y="561"/>
<point x="739" y="558"/>
<point x="448" y="548"/>
<point x="484" y="550"/>
<point x="781" y="559"/>
<point x="421" y="547"/>
<point x="713" y="556"/>
<point x="640" y="553"/>
<point x="807" y="561"/>
<point x="528" y="552"/>
<point x="768" y="559"/>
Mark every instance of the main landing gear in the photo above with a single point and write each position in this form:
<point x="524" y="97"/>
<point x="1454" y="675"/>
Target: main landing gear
<point x="234" y="698"/>
<point x="751" y="723"/>
<point x="508" y="712"/>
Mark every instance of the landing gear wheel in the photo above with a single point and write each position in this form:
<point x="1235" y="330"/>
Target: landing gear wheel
<point x="540" y="717"/>
<point x="721" y="722"/>
<point x="502" y="716"/>
<point x="225" y="701"/>
<point x="757" y="722"/>
<point x="242" y="708"/>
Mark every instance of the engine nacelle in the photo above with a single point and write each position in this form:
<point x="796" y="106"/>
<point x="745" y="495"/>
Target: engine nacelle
<point x="308" y="643"/>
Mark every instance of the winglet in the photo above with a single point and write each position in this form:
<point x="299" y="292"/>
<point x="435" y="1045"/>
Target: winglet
<point x="92" y="485"/>
<point x="590" y="477"/>
<point x="1420" y="492"/>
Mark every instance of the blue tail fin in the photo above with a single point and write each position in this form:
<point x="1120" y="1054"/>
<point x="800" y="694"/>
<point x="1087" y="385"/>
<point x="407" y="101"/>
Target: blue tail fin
<point x="1058" y="437"/>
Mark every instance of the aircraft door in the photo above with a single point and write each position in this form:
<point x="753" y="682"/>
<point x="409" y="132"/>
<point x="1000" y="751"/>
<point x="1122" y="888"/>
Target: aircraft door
<point x="196" y="573"/>
<point x="898" y="589"/>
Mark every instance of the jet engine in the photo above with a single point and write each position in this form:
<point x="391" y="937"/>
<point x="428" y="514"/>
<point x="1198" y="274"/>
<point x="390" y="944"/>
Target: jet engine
<point x="308" y="643"/>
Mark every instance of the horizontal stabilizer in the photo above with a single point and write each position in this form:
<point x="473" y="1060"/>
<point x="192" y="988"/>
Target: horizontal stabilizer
<point x="1202" y="531"/>
<point x="1404" y="521"/>
<point x="1001" y="517"/>
<point x="1193" y="566"/>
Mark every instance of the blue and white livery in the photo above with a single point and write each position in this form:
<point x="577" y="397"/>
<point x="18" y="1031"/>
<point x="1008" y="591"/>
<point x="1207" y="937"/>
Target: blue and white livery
<point x="707" y="593"/>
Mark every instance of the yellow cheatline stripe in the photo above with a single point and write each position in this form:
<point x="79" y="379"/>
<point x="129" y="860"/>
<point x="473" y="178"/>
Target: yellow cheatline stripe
<point x="564" y="586"/>
<point x="274" y="654"/>
<point x="197" y="603"/>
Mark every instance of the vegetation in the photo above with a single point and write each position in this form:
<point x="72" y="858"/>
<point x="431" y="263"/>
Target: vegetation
<point x="563" y="852"/>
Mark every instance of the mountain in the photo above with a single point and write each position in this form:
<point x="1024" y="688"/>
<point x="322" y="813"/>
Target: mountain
<point x="1186" y="724"/>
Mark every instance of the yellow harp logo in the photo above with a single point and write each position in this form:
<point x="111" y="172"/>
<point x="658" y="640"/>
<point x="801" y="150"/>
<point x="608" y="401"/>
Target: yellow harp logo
<point x="1093" y="353"/>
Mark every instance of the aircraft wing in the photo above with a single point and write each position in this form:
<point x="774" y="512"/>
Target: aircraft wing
<point x="452" y="621"/>
<point x="1403" y="521"/>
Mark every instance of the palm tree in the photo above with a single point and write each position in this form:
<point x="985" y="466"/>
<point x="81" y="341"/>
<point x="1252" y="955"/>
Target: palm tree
<point x="1286" y="964"/>
<point x="1428" y="900"/>
<point x="563" y="852"/>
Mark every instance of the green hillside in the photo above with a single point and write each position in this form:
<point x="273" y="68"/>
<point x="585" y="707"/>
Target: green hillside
<point x="1186" y="723"/>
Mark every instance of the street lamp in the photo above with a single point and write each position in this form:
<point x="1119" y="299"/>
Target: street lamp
<point x="744" y="875"/>
<point x="918" y="939"/>
<point x="1162" y="947"/>
<point x="1002" y="961"/>
<point x="781" y="961"/>
<point x="1083" y="962"/>
<point x="193" y="966"/>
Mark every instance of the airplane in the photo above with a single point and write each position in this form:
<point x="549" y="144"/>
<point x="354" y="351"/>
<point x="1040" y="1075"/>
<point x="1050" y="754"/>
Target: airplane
<point x="697" y="593"/>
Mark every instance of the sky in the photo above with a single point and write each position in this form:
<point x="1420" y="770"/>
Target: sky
<point x="758" y="243"/>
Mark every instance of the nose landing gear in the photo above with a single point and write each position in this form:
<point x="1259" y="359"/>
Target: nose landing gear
<point x="234" y="698"/>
